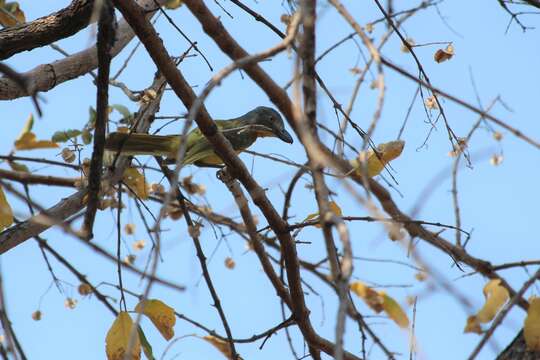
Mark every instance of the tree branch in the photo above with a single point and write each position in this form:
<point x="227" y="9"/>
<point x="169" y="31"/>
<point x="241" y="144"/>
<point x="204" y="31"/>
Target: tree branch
<point x="46" y="30"/>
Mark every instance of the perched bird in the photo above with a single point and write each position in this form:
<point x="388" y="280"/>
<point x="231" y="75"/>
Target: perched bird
<point x="241" y="133"/>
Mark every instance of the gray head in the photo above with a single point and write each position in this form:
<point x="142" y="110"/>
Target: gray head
<point x="268" y="122"/>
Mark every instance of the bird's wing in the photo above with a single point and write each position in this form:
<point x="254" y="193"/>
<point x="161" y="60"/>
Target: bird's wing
<point x="199" y="150"/>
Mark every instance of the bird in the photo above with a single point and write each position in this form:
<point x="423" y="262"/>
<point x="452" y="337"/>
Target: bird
<point x="241" y="132"/>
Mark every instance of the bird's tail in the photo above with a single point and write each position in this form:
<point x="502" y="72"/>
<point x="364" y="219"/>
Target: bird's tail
<point x="142" y="144"/>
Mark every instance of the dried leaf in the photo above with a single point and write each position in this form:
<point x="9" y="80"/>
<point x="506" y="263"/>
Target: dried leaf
<point x="444" y="54"/>
<point x="472" y="325"/>
<point x="161" y="315"/>
<point x="13" y="14"/>
<point x="173" y="4"/>
<point x="129" y="228"/>
<point x="431" y="103"/>
<point x="371" y="297"/>
<point x="531" y="328"/>
<point x="6" y="215"/>
<point x="404" y="47"/>
<point x="221" y="345"/>
<point x="496" y="296"/>
<point x="229" y="263"/>
<point x="379" y="301"/>
<point x="136" y="182"/>
<point x="117" y="340"/>
<point x="376" y="161"/>
<point x="496" y="159"/>
<point x="85" y="289"/>
<point x="36" y="315"/>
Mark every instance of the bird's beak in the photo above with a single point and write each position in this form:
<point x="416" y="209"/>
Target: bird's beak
<point x="285" y="136"/>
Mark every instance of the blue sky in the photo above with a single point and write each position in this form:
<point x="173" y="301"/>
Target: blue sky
<point x="499" y="204"/>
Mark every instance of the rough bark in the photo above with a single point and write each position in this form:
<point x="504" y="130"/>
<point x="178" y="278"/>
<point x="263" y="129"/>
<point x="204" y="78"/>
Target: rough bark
<point x="518" y="350"/>
<point x="45" y="30"/>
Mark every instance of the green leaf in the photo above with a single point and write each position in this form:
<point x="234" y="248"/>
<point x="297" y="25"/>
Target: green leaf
<point x="122" y="110"/>
<point x="127" y="116"/>
<point x="65" y="135"/>
<point x="86" y="136"/>
<point x="147" y="348"/>
<point x="18" y="167"/>
<point x="92" y="119"/>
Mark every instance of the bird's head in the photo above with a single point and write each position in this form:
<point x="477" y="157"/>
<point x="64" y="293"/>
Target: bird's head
<point x="268" y="122"/>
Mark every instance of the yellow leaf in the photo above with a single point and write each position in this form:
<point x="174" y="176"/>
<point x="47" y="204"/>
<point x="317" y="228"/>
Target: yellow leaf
<point x="222" y="346"/>
<point x="28" y="125"/>
<point x="335" y="208"/>
<point x="173" y="4"/>
<point x="394" y="311"/>
<point x="531" y="328"/>
<point x="332" y="206"/>
<point x="28" y="142"/>
<point x="6" y="215"/>
<point x="372" y="298"/>
<point x="379" y="301"/>
<point x="136" y="182"/>
<point x="117" y="340"/>
<point x="472" y="325"/>
<point x="496" y="296"/>
<point x="12" y="14"/>
<point x="161" y="315"/>
<point x="27" y="139"/>
<point x="376" y="161"/>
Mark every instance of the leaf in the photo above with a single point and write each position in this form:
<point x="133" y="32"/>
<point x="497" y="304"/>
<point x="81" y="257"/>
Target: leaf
<point x="117" y="340"/>
<point x="161" y="315"/>
<point x="92" y="118"/>
<point x="332" y="206"/>
<point x="221" y="345"/>
<point x="136" y="182"/>
<point x="28" y="125"/>
<point x="6" y="215"/>
<point x="379" y="301"/>
<point x="376" y="162"/>
<point x="472" y="325"/>
<point x="173" y="4"/>
<point x="531" y="328"/>
<point x="28" y="142"/>
<point x="147" y="348"/>
<point x="86" y="136"/>
<point x="394" y="311"/>
<point x="15" y="166"/>
<point x="65" y="135"/>
<point x="442" y="55"/>
<point x="14" y="14"/>
<point x="371" y="297"/>
<point x="27" y="139"/>
<point x="124" y="111"/>
<point x="496" y="296"/>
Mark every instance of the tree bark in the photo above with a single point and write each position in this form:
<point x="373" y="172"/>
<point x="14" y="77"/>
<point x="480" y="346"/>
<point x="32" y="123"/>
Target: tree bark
<point x="46" y="30"/>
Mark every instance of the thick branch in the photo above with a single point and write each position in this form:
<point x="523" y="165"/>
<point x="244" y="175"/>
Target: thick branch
<point x="28" y="178"/>
<point x="45" y="30"/>
<point x="69" y="206"/>
<point x="47" y="76"/>
<point x="104" y="43"/>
